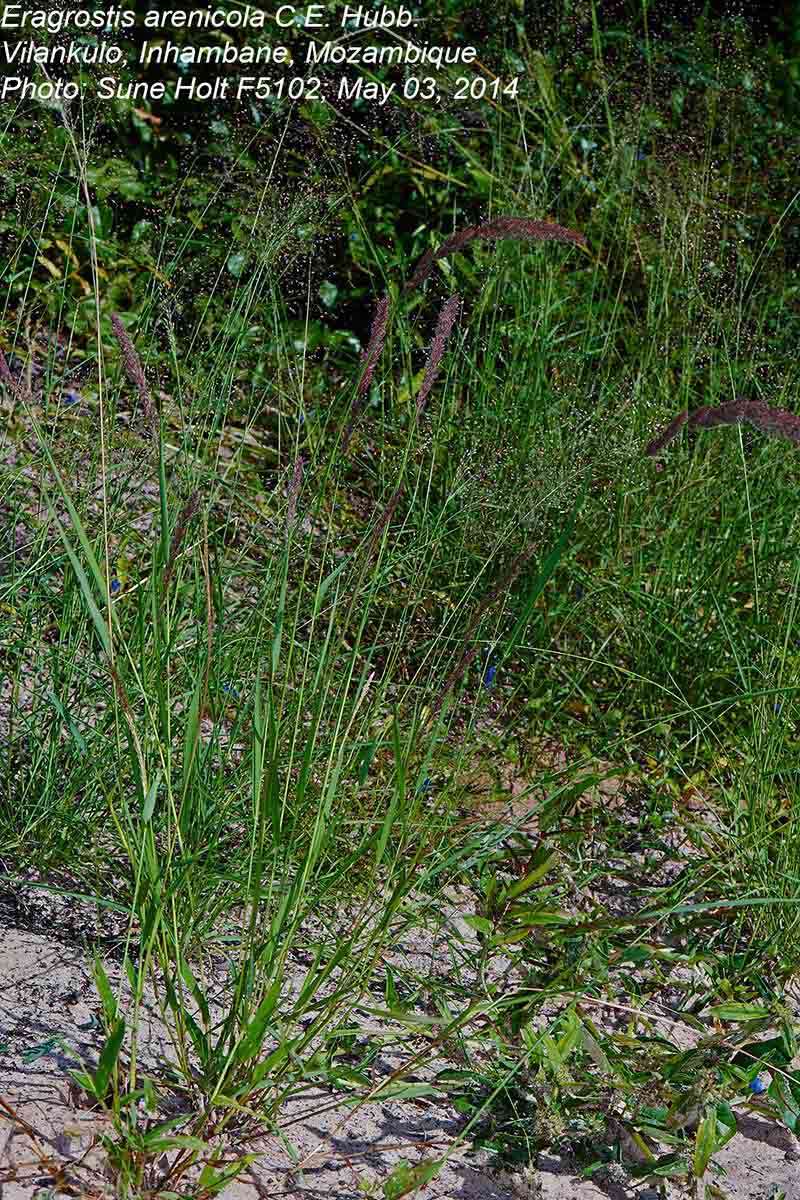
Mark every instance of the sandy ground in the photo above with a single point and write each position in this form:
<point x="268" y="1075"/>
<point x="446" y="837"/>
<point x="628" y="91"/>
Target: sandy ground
<point x="49" y="1021"/>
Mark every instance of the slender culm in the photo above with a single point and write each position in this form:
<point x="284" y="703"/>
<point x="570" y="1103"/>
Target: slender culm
<point x="506" y="581"/>
<point x="186" y="514"/>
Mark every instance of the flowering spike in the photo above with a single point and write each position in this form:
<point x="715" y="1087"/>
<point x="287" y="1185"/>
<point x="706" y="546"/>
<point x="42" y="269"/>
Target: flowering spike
<point x="444" y="327"/>
<point x="517" y="228"/>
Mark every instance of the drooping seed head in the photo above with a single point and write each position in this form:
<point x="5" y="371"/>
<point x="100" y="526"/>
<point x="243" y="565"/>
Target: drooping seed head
<point x="516" y="228"/>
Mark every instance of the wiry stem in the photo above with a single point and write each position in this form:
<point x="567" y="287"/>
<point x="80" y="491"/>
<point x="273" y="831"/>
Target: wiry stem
<point x="186" y="514"/>
<point x="505" y="582"/>
<point x="377" y="338"/>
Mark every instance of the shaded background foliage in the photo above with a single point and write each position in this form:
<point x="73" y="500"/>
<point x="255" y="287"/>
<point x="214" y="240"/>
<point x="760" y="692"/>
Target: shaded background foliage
<point x="668" y="134"/>
<point x="160" y="167"/>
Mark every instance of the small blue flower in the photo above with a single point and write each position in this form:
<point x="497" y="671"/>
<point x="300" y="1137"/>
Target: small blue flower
<point x="757" y="1086"/>
<point x="115" y="586"/>
<point x="230" y="690"/>
<point x="425" y="786"/>
<point x="488" y="679"/>
<point x="640" y="154"/>
<point x="70" y="396"/>
<point x="778" y="706"/>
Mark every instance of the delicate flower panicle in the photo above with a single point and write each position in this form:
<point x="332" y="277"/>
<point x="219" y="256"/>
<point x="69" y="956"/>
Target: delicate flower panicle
<point x="505" y="582"/>
<point x="384" y="519"/>
<point x="452" y="679"/>
<point x="135" y="371"/>
<point x="518" y="228"/>
<point x="187" y="513"/>
<point x="779" y="422"/>
<point x="444" y="327"/>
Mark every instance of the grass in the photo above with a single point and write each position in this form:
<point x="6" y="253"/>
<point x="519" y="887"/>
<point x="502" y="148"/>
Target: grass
<point x="350" y="603"/>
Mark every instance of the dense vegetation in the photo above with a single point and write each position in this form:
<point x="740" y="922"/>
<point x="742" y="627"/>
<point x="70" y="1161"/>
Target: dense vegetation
<point x="272" y="638"/>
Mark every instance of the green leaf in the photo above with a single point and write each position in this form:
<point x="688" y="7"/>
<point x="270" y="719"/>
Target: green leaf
<point x="84" y="1081"/>
<point x="405" y="1179"/>
<point x="181" y="1141"/>
<point x="346" y="1075"/>
<point x="404" y="1018"/>
<point x="106" y="994"/>
<point x="705" y="1143"/>
<point x="196" y="991"/>
<point x="450" y="1075"/>
<point x="480" y="924"/>
<point x="404" y="1091"/>
<point x="390" y="990"/>
<point x="150" y="799"/>
<point x="253" y="1037"/>
<point x="271" y="1063"/>
<point x="397" y="796"/>
<point x="543" y="861"/>
<point x="77" y="524"/>
<point x="636" y="954"/>
<point x="738" y="1012"/>
<point x="108" y="1058"/>
<point x="191" y="737"/>
<point x="83" y="582"/>
<point x="200" y="1040"/>
<point x="538" y="916"/>
<point x="326" y="584"/>
<point x="667" y="1166"/>
<point x="158" y="1132"/>
<point x="726" y="1123"/>
<point x="77" y="736"/>
<point x="212" y="1179"/>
